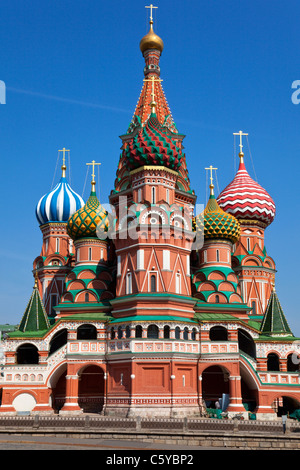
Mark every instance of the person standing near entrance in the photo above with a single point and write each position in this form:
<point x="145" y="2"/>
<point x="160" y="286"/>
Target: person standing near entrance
<point x="284" y="420"/>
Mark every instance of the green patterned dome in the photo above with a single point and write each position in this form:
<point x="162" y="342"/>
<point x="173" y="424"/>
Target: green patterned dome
<point x="217" y="223"/>
<point x="84" y="222"/>
<point x="154" y="144"/>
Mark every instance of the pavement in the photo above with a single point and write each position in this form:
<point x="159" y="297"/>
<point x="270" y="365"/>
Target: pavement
<point x="22" y="442"/>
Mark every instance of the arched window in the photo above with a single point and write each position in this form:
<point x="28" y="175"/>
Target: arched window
<point x="166" y="332"/>
<point x="253" y="307"/>
<point x="112" y="333"/>
<point x="177" y="332"/>
<point x="27" y="354"/>
<point x="87" y="332"/>
<point x="120" y="332"/>
<point x="138" y="331"/>
<point x="273" y="362"/>
<point x="185" y="333"/>
<point x="90" y="253"/>
<point x="218" y="255"/>
<point x="58" y="340"/>
<point x="293" y="362"/>
<point x="152" y="331"/>
<point x="193" y="334"/>
<point x="218" y="333"/>
<point x="248" y="244"/>
<point x="246" y="343"/>
<point x="217" y="299"/>
<point x="153" y="283"/>
<point x="86" y="297"/>
<point x="127" y="330"/>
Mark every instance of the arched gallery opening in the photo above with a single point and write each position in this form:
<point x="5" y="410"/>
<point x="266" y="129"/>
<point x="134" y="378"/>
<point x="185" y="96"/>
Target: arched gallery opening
<point x="58" y="385"/>
<point x="285" y="405"/>
<point x="91" y="389"/>
<point x="215" y="383"/>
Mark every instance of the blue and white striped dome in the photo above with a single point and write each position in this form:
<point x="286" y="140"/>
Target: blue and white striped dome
<point x="59" y="204"/>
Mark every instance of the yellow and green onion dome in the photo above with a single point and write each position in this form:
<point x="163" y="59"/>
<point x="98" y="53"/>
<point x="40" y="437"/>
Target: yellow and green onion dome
<point x="217" y="223"/>
<point x="87" y="221"/>
<point x="154" y="144"/>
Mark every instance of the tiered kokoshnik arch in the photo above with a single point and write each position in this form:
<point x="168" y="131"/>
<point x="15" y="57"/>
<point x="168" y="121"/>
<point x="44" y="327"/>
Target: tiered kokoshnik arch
<point x="151" y="310"/>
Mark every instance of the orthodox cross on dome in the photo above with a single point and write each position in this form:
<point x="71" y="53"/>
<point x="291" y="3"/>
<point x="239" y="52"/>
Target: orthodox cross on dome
<point x="153" y="79"/>
<point x="64" y="161"/>
<point x="93" y="173"/>
<point x="211" y="168"/>
<point x="151" y="8"/>
<point x="240" y="133"/>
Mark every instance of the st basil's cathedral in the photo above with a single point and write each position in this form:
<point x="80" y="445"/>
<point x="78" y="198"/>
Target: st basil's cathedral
<point x="152" y="309"/>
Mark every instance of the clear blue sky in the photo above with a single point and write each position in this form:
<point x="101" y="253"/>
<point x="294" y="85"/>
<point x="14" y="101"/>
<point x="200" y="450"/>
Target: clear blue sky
<point x="73" y="72"/>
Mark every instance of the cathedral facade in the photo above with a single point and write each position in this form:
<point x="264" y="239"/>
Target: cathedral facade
<point x="151" y="309"/>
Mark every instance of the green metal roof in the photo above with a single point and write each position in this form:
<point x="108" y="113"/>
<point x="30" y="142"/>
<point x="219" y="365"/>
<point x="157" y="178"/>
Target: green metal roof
<point x="274" y="322"/>
<point x="35" y="316"/>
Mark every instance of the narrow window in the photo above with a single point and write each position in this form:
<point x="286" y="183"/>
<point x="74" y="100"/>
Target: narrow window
<point x="57" y="245"/>
<point x="166" y="332"/>
<point x="166" y="259"/>
<point x="128" y="283"/>
<point x="101" y="253"/>
<point x="139" y="194"/>
<point x="183" y="380"/>
<point x="188" y="265"/>
<point x="86" y="297"/>
<point x="153" y="283"/>
<point x="217" y="299"/>
<point x="248" y="244"/>
<point x="205" y="256"/>
<point x="178" y="283"/>
<point x="218" y="256"/>
<point x="90" y="254"/>
<point x="118" y="265"/>
<point x="138" y="331"/>
<point x="153" y="195"/>
<point x="53" y="303"/>
<point x="168" y="196"/>
<point x="140" y="259"/>
<point x="254" y="307"/>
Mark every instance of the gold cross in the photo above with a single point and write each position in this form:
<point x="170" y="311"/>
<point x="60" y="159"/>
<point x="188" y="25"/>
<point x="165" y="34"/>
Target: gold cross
<point x="93" y="165"/>
<point x="64" y="151"/>
<point x="64" y="162"/>
<point x="240" y="144"/>
<point x="153" y="79"/>
<point x="151" y="8"/>
<point x="211" y="168"/>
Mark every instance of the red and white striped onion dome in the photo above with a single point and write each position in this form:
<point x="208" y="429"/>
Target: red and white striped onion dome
<point x="246" y="199"/>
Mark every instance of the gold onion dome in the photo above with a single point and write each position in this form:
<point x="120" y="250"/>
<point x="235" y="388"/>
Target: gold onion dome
<point x="89" y="221"/>
<point x="218" y="224"/>
<point x="151" y="41"/>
